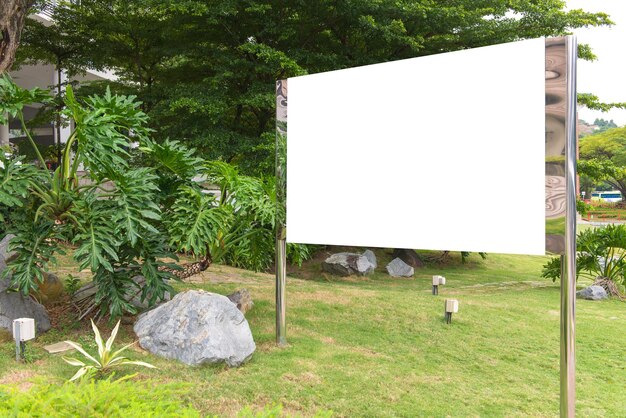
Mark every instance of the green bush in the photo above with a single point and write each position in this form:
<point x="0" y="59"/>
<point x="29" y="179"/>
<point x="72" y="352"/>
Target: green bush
<point x="601" y="252"/>
<point x="102" y="398"/>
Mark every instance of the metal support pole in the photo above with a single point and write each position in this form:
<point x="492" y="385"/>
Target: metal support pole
<point x="281" y="275"/>
<point x="19" y="346"/>
<point x="281" y="210"/>
<point x="568" y="259"/>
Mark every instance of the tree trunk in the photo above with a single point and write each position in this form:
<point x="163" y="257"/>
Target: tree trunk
<point x="12" y="16"/>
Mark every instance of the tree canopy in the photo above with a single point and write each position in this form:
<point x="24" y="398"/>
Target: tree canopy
<point x="205" y="70"/>
<point x="603" y="158"/>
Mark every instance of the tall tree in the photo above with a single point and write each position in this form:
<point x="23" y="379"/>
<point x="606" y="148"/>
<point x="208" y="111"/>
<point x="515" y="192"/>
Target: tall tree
<point x="603" y="158"/>
<point x="205" y="70"/>
<point x="12" y="16"/>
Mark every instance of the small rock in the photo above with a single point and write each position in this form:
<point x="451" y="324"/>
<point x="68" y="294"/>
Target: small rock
<point x="58" y="347"/>
<point x="50" y="290"/>
<point x="197" y="327"/>
<point x="242" y="299"/>
<point x="14" y="305"/>
<point x="592" y="293"/>
<point x="398" y="268"/>
<point x="371" y="257"/>
<point x="345" y="264"/>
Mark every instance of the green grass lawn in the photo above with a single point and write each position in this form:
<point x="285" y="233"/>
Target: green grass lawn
<point x="378" y="346"/>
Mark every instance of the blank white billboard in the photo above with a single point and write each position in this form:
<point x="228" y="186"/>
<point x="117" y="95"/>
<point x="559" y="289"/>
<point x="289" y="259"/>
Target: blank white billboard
<point x="445" y="152"/>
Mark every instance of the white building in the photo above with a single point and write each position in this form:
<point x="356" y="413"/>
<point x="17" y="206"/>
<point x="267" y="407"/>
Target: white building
<point x="45" y="77"/>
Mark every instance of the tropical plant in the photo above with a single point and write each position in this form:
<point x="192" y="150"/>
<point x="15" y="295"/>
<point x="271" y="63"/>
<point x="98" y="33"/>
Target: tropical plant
<point x="137" y="203"/>
<point x="106" y="357"/>
<point x="601" y="256"/>
<point x="247" y="238"/>
<point x="72" y="284"/>
<point x="603" y="158"/>
<point x="97" y="398"/>
<point x="112" y="214"/>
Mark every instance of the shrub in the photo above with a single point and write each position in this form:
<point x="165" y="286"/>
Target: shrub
<point x="89" y="398"/>
<point x="601" y="253"/>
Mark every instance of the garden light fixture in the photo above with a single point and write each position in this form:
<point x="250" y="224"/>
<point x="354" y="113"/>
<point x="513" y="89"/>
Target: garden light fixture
<point x="438" y="280"/>
<point x="451" y="306"/>
<point x="23" y="330"/>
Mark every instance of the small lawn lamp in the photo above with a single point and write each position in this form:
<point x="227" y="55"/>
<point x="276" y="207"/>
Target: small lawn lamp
<point x="23" y="330"/>
<point x="452" y="306"/>
<point x="438" y="280"/>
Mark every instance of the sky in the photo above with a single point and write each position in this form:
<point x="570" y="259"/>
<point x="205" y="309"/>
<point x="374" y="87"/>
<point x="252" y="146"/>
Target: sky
<point x="605" y="77"/>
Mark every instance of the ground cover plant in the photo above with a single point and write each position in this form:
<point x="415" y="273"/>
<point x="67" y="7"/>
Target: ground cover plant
<point x="377" y="346"/>
<point x="89" y="398"/>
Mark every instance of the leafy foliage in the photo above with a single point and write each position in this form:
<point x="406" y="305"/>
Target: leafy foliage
<point x="114" y="219"/>
<point x="142" y="200"/>
<point x="198" y="222"/>
<point x="603" y="158"/>
<point x="34" y="252"/>
<point x="591" y="101"/>
<point x="15" y="179"/>
<point x="13" y="98"/>
<point x="248" y="239"/>
<point x="106" y="358"/>
<point x="101" y="398"/>
<point x="601" y="252"/>
<point x="205" y="71"/>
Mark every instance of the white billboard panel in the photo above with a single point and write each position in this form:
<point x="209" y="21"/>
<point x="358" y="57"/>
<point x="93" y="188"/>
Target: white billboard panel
<point x="445" y="152"/>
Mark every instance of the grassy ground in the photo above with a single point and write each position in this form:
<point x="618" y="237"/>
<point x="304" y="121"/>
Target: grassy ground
<point x="378" y="346"/>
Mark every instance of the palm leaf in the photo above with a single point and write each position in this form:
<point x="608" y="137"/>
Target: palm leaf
<point x="109" y="342"/>
<point x="99" y="341"/>
<point x="73" y="361"/>
<point x="80" y="373"/>
<point x="83" y="352"/>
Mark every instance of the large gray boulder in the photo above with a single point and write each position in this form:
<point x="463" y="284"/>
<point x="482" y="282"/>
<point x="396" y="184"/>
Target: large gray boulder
<point x="5" y="284"/>
<point x="592" y="293"/>
<point x="371" y="257"/>
<point x="345" y="264"/>
<point x="398" y="268"/>
<point x="5" y="254"/>
<point x="197" y="327"/>
<point x="5" y="257"/>
<point x="14" y="305"/>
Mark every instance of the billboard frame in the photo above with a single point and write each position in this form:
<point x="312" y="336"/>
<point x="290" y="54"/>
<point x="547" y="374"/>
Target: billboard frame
<point x="561" y="149"/>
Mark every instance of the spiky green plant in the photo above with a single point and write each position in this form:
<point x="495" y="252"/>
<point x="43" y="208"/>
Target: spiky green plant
<point x="106" y="359"/>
